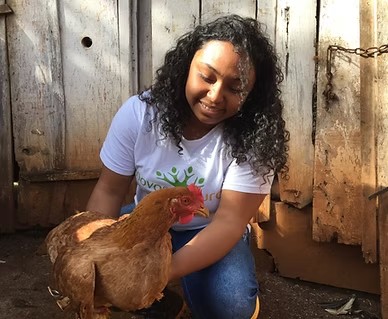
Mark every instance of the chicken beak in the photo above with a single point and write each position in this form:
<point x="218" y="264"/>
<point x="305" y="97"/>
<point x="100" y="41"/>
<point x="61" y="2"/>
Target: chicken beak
<point x="202" y="211"/>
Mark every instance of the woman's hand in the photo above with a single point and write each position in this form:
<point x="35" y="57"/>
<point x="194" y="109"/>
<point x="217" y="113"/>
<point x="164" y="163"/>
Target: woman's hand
<point x="219" y="237"/>
<point x="109" y="193"/>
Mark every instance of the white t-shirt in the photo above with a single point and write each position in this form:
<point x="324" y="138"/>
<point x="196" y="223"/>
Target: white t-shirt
<point x="134" y="145"/>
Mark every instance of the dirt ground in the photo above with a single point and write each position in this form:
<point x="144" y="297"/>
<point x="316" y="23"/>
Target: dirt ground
<point x="24" y="277"/>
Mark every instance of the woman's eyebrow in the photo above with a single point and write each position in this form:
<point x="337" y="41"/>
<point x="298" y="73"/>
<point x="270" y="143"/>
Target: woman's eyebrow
<point x="236" y="78"/>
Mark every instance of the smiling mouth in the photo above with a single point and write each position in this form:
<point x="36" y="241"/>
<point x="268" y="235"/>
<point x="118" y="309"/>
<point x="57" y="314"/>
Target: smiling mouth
<point x="210" y="108"/>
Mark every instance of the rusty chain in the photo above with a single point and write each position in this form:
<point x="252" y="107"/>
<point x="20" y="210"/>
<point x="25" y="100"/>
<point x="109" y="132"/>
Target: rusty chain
<point x="365" y="53"/>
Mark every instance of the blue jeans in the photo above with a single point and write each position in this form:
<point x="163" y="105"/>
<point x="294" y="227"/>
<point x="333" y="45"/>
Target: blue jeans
<point x="227" y="289"/>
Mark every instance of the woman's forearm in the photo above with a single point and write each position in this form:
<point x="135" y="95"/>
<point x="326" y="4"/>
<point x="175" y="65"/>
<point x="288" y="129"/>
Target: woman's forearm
<point x="104" y="202"/>
<point x="207" y="247"/>
<point x="109" y="193"/>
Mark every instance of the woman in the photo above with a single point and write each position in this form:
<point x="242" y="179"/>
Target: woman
<point x="213" y="117"/>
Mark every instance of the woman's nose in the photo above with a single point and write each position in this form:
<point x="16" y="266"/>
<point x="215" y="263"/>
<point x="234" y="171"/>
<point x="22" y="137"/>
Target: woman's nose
<point x="215" y="93"/>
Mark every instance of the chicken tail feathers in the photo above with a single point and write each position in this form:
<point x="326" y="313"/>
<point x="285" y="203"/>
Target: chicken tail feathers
<point x="80" y="289"/>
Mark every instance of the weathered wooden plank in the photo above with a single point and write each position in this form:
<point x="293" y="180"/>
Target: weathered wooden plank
<point x="145" y="44"/>
<point x="382" y="110"/>
<point x="6" y="158"/>
<point x="266" y="14"/>
<point x="214" y="9"/>
<point x="383" y="252"/>
<point x="63" y="175"/>
<point x="267" y="209"/>
<point x="288" y="239"/>
<point x="170" y="19"/>
<point x="368" y="104"/>
<point x="49" y="203"/>
<point x="382" y="150"/>
<point x="263" y="214"/>
<point x="91" y="59"/>
<point x="92" y="76"/>
<point x="295" y="43"/>
<point x="127" y="12"/>
<point x="338" y="199"/>
<point x="36" y="85"/>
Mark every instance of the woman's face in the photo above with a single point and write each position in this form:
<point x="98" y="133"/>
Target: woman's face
<point x="219" y="80"/>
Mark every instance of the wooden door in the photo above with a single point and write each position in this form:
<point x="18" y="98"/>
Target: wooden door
<point x="70" y="70"/>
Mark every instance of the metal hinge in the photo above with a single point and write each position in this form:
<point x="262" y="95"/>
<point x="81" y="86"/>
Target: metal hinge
<point x="379" y="192"/>
<point x="5" y="9"/>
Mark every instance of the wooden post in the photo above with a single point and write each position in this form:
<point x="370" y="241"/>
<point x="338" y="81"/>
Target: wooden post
<point x="6" y="158"/>
<point x="383" y="228"/>
<point x="382" y="149"/>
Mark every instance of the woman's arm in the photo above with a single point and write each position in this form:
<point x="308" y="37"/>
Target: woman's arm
<point x="219" y="237"/>
<point x="109" y="193"/>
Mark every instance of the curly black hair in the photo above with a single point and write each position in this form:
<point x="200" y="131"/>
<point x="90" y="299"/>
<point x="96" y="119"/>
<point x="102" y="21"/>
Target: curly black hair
<point x="257" y="133"/>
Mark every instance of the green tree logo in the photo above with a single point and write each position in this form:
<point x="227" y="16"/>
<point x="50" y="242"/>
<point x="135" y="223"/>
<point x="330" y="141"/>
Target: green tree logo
<point x="172" y="177"/>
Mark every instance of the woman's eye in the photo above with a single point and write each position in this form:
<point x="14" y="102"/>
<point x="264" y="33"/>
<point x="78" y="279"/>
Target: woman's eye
<point x="236" y="90"/>
<point x="205" y="78"/>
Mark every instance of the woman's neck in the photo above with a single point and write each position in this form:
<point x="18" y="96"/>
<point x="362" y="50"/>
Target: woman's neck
<point x="195" y="130"/>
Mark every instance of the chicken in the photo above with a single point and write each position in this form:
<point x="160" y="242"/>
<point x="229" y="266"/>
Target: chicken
<point x="100" y="262"/>
<point x="73" y="230"/>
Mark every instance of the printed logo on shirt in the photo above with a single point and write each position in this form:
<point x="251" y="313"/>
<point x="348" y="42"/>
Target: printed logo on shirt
<point x="188" y="178"/>
<point x="174" y="177"/>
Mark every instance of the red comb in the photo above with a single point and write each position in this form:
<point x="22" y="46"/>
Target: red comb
<point x="195" y="190"/>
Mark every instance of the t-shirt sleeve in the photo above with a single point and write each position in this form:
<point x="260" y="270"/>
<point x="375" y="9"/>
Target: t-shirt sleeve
<point x="117" y="152"/>
<point x="241" y="178"/>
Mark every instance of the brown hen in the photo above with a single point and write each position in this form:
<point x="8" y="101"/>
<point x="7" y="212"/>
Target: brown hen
<point x="100" y="262"/>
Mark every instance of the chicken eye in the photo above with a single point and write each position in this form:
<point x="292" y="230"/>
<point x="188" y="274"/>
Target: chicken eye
<point x="185" y="201"/>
